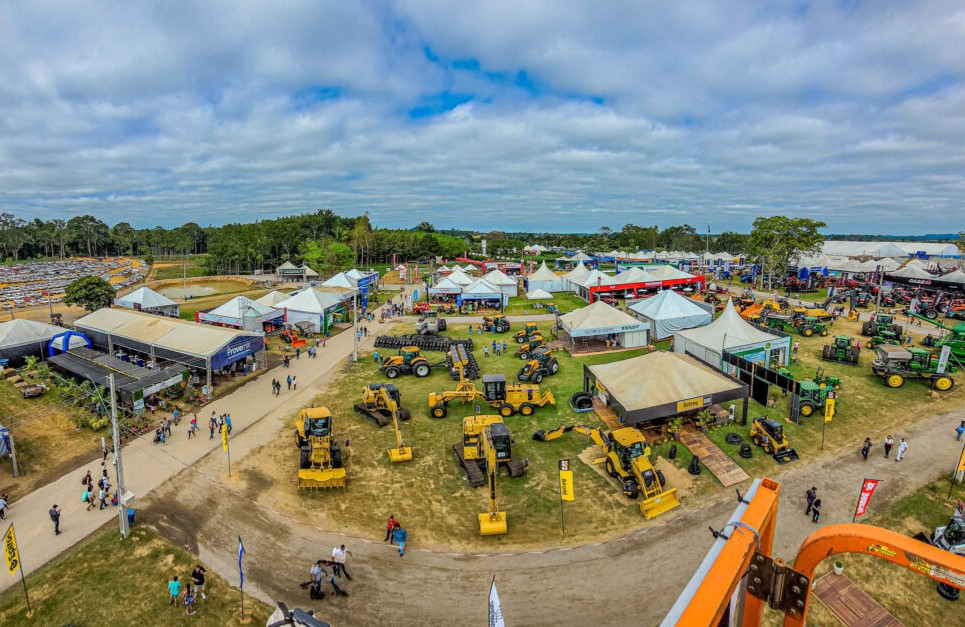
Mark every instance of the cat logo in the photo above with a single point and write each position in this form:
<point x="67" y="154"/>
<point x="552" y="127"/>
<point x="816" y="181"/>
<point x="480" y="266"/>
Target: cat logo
<point x="880" y="549"/>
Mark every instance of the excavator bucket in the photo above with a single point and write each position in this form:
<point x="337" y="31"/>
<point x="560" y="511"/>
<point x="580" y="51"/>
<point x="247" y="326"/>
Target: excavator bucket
<point x="314" y="478"/>
<point x="786" y="456"/>
<point x="656" y="505"/>
<point x="400" y="454"/>
<point x="492" y="524"/>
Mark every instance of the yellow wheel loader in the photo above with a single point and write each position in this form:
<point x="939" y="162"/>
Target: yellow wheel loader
<point x="480" y="433"/>
<point x="523" y="398"/>
<point x="320" y="461"/>
<point x="377" y="399"/>
<point x="626" y="456"/>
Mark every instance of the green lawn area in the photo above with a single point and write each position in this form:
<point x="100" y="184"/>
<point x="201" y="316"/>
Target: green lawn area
<point x="105" y="580"/>
<point x="175" y="268"/>
<point x="565" y="301"/>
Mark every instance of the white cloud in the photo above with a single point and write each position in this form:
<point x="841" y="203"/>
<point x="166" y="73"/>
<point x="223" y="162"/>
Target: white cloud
<point x="705" y="112"/>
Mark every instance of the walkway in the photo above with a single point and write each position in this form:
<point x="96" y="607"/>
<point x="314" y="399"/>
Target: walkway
<point x="717" y="461"/>
<point x="850" y="604"/>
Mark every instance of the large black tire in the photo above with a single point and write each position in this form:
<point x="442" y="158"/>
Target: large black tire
<point x="661" y="479"/>
<point x="422" y="370"/>
<point x="851" y="356"/>
<point x="336" y="454"/>
<point x="745" y="451"/>
<point x="392" y="372"/>
<point x="582" y="400"/>
<point x="897" y="330"/>
<point x="439" y="411"/>
<point x="806" y="409"/>
<point x="694" y="467"/>
<point x="766" y="445"/>
<point x="520" y="376"/>
<point x="867" y="328"/>
<point x="826" y="353"/>
<point x="634" y="491"/>
<point x="526" y="409"/>
<point x="524" y="355"/>
<point x="554" y="366"/>
<point x="734" y="438"/>
<point x="610" y="470"/>
<point x="757" y="440"/>
<point x="520" y="339"/>
<point x="807" y="332"/>
<point x="673" y="452"/>
<point x="538" y="378"/>
<point x="442" y="324"/>
<point x="506" y="410"/>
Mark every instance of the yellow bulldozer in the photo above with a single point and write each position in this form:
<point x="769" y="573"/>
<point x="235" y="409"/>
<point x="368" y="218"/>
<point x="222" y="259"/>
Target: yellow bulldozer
<point x="377" y="402"/>
<point x="508" y="399"/>
<point x="627" y="459"/>
<point x="320" y="460"/>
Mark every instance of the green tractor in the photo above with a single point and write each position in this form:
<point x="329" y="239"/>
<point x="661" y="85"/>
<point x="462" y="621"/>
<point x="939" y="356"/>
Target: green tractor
<point x="811" y="397"/>
<point x="897" y="363"/>
<point x="882" y="330"/>
<point x="810" y="325"/>
<point x="826" y="380"/>
<point x="842" y="350"/>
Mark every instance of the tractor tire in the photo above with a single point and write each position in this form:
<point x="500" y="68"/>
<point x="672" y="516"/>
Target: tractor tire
<point x="943" y="383"/>
<point x="524" y="356"/>
<point x="851" y="356"/>
<point x="442" y="324"/>
<point x="526" y="409"/>
<point x="520" y="339"/>
<point x="894" y="380"/>
<point x="336" y="453"/>
<point x="896" y="330"/>
<point x="931" y="314"/>
<point x="694" y="467"/>
<point x="439" y="411"/>
<point x="392" y="372"/>
<point x="554" y="366"/>
<point x="826" y="354"/>
<point x="661" y="479"/>
<point x="734" y="438"/>
<point x="404" y="414"/>
<point x="824" y="333"/>
<point x="867" y="328"/>
<point x="582" y="400"/>
<point x="767" y="447"/>
<point x="745" y="451"/>
<point x="673" y="452"/>
<point x="757" y="440"/>
<point x="304" y="457"/>
<point x="634" y="491"/>
<point x="538" y="378"/>
<point x="610" y="470"/>
<point x="808" y="332"/>
<point x="506" y="410"/>
<point x="520" y="376"/>
<point x="806" y="410"/>
<point x="422" y="370"/>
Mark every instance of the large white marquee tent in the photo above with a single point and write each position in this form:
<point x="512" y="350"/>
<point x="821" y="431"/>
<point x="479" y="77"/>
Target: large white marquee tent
<point x="668" y="312"/>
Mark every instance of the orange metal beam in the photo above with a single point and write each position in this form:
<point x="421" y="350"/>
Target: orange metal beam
<point x="909" y="553"/>
<point x="709" y="603"/>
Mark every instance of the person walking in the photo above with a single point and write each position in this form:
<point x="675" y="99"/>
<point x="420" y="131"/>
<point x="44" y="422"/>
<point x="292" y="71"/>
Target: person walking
<point x="4" y="501"/>
<point x="390" y="525"/>
<point x="865" y="448"/>
<point x="274" y="382"/>
<point x="104" y="450"/>
<point x="295" y="383"/>
<point x="174" y="589"/>
<point x="959" y="431"/>
<point x="338" y="561"/>
<point x="816" y="511"/>
<point x="197" y="578"/>
<point x="902" y="447"/>
<point x="193" y="427"/>
<point x="103" y="498"/>
<point x="289" y="381"/>
<point x="211" y="426"/>
<point x="889" y="443"/>
<point x="55" y="518"/>
<point x="331" y="579"/>
<point x="298" y="353"/>
<point x="227" y="422"/>
<point x="399" y="536"/>
<point x="811" y="496"/>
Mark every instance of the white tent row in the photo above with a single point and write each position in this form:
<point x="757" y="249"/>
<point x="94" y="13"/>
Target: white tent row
<point x="890" y="249"/>
<point x="545" y="279"/>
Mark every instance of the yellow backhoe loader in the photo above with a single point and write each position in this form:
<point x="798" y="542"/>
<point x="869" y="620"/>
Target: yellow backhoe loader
<point x="478" y="434"/>
<point x="508" y="399"/>
<point x="627" y="458"/>
<point x="376" y="401"/>
<point x="320" y="461"/>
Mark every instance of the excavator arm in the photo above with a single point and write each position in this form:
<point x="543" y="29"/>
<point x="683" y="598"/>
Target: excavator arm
<point x="594" y="433"/>
<point x="492" y="522"/>
<point x="401" y="452"/>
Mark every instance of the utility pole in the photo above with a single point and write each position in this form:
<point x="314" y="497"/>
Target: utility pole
<point x="13" y="451"/>
<point x="355" y="329"/>
<point x="122" y="498"/>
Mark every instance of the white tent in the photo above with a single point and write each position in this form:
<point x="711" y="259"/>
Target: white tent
<point x="481" y="289"/>
<point x="545" y="279"/>
<point x="341" y="279"/>
<point x="460" y="278"/>
<point x="596" y="277"/>
<point x="446" y="285"/>
<point x="634" y="275"/>
<point x="19" y="338"/>
<point x="242" y="313"/>
<point x="669" y="312"/>
<point x="505" y="284"/>
<point x="147" y="300"/>
<point x="538" y="294"/>
<point x="666" y="273"/>
<point x="732" y="333"/>
<point x="888" y="264"/>
<point x="310" y="305"/>
<point x="912" y="272"/>
<point x="273" y="298"/>
<point x="443" y="270"/>
<point x="576" y="276"/>
<point x="469" y="268"/>
<point x="581" y="257"/>
<point x="957" y="277"/>
<point x="600" y="319"/>
<point x="847" y="265"/>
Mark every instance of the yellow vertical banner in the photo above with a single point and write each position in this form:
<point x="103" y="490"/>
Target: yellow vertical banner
<point x="566" y="481"/>
<point x="10" y="550"/>
<point x="961" y="462"/>
<point x="828" y="409"/>
<point x="224" y="436"/>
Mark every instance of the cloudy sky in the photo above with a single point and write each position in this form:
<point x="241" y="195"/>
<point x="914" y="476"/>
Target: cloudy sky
<point x="562" y="116"/>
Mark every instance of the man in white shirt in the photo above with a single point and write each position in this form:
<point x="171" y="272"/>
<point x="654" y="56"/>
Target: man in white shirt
<point x="338" y="560"/>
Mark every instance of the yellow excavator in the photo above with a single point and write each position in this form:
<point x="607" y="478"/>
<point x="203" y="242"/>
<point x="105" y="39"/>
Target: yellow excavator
<point x="401" y="452"/>
<point x="492" y="522"/>
<point x="508" y="399"/>
<point x="480" y="433"/>
<point x="626" y="456"/>
<point x="376" y="401"/>
<point x="320" y="461"/>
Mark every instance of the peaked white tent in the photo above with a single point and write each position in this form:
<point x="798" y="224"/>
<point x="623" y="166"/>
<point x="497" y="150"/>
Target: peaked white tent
<point x="545" y="279"/>
<point x="888" y="264"/>
<point x="273" y="298"/>
<point x="600" y="320"/>
<point x="459" y="277"/>
<point x="732" y="333"/>
<point x="446" y="285"/>
<point x="147" y="300"/>
<point x="666" y="273"/>
<point x="481" y="289"/>
<point x="505" y="284"/>
<point x="581" y="257"/>
<point x="634" y="275"/>
<point x="669" y="312"/>
<point x="312" y="306"/>
<point x="242" y="313"/>
<point x="957" y="277"/>
<point x="443" y="270"/>
<point x="595" y="277"/>
<point x="912" y="272"/>
<point x="538" y="294"/>
<point x="341" y="279"/>
<point x="576" y="276"/>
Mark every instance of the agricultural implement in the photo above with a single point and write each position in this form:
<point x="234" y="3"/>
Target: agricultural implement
<point x="954" y="340"/>
<point x="320" y="459"/>
<point x="434" y="343"/>
<point x="896" y="363"/>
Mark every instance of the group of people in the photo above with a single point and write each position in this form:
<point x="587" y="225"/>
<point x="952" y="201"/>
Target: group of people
<point x="319" y="572"/>
<point x="102" y="491"/>
<point x="217" y="421"/>
<point x="498" y="349"/>
<point x="192" y="591"/>
<point x="292" y="382"/>
<point x="395" y="532"/>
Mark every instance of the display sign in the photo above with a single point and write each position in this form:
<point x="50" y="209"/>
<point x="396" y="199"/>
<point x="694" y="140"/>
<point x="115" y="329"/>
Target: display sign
<point x="163" y="385"/>
<point x="864" y="499"/>
<point x="224" y="436"/>
<point x="566" y="481"/>
<point x="828" y="409"/>
<point x="237" y="349"/>
<point x="693" y="403"/>
<point x="943" y="358"/>
<point x="10" y="551"/>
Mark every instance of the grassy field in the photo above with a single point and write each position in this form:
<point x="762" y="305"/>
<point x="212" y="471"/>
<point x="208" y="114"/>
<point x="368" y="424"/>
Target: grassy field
<point x="910" y="597"/>
<point x="176" y="268"/>
<point x="108" y="581"/>
<point x="566" y="301"/>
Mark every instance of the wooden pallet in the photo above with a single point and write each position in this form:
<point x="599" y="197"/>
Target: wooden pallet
<point x="717" y="461"/>
<point x="606" y="414"/>
<point x="850" y="604"/>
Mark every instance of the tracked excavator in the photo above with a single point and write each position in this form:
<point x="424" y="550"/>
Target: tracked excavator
<point x="740" y="574"/>
<point x="493" y="521"/>
<point x="626" y="455"/>
<point x="377" y="401"/>
<point x="480" y="433"/>
<point x="320" y="461"/>
<point x="401" y="452"/>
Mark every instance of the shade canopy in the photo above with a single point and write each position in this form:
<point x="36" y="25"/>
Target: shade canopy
<point x="669" y="312"/>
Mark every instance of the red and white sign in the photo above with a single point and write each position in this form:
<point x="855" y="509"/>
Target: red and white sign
<point x="867" y="489"/>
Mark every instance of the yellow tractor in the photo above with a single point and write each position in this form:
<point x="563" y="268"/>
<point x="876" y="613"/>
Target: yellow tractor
<point x="409" y="361"/>
<point x="320" y="461"/>
<point x="525" y="351"/>
<point x="377" y="402"/>
<point x="478" y="434"/>
<point x="529" y="329"/>
<point x="508" y="399"/>
<point x="626" y="455"/>
<point x="499" y="321"/>
<point x="542" y="364"/>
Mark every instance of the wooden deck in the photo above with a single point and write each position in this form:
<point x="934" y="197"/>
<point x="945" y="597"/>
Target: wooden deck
<point x="606" y="414"/>
<point x="850" y="604"/>
<point x="724" y="468"/>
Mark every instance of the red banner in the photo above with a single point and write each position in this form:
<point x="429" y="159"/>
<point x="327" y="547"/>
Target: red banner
<point x="867" y="489"/>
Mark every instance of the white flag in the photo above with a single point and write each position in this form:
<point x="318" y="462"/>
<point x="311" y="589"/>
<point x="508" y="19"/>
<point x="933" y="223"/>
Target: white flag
<point x="495" y="609"/>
